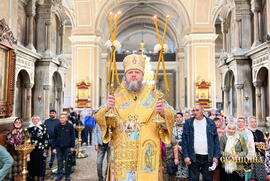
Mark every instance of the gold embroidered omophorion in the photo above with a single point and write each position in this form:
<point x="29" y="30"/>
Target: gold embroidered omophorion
<point x="134" y="138"/>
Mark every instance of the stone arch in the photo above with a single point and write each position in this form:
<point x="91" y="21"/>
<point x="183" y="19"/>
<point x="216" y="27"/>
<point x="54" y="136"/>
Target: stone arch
<point x="261" y="74"/>
<point x="56" y="92"/>
<point x="22" y="96"/>
<point x="227" y="77"/>
<point x="109" y="6"/>
<point x="222" y="12"/>
<point x="262" y="93"/>
<point x="124" y="35"/>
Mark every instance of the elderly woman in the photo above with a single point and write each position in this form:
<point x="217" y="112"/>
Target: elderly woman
<point x="232" y="144"/>
<point x="14" y="138"/>
<point x="248" y="136"/>
<point x="182" y="169"/>
<point x="258" y="170"/>
<point x="39" y="137"/>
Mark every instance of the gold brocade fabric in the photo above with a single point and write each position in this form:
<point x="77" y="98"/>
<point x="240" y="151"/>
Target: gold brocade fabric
<point x="135" y="139"/>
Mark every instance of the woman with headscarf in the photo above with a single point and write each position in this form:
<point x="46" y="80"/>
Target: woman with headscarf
<point x="232" y="145"/>
<point x="182" y="168"/>
<point x="39" y="137"/>
<point x="248" y="136"/>
<point x="15" y="138"/>
<point x="258" y="169"/>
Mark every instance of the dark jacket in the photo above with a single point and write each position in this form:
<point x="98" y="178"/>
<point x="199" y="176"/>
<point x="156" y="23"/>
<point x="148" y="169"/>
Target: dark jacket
<point x="212" y="140"/>
<point x="39" y="137"/>
<point x="64" y="136"/>
<point x="51" y="124"/>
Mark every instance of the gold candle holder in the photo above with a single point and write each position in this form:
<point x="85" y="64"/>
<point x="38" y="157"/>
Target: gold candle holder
<point x="80" y="153"/>
<point x="25" y="149"/>
<point x="159" y="95"/>
<point x="110" y="114"/>
<point x="112" y="69"/>
<point x="159" y="119"/>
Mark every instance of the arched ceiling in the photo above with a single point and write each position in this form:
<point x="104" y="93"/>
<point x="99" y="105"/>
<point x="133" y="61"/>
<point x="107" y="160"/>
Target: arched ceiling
<point x="136" y="23"/>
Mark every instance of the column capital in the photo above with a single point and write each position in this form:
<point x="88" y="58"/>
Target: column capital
<point x="226" y="88"/>
<point x="256" y="5"/>
<point x="48" y="22"/>
<point x="59" y="89"/>
<point x="61" y="29"/>
<point x="28" y="85"/>
<point x="257" y="84"/>
<point x="224" y="27"/>
<point x="239" y="86"/>
<point x="31" y="8"/>
<point x="46" y="87"/>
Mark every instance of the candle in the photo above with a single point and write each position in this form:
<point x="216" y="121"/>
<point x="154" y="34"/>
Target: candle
<point x="165" y="30"/>
<point x="164" y="74"/>
<point x="110" y="20"/>
<point x="156" y="26"/>
<point x="112" y="69"/>
<point x="161" y="56"/>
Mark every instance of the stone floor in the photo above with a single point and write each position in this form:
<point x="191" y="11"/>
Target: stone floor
<point x="85" y="169"/>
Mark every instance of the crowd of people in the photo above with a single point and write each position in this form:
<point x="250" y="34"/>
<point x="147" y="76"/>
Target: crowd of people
<point x="143" y="139"/>
<point x="200" y="142"/>
<point x="216" y="147"/>
<point x="56" y="135"/>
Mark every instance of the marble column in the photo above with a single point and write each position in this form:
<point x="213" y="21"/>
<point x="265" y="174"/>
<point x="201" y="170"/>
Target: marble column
<point x="30" y="12"/>
<point x="224" y="31"/>
<point x="48" y="37"/>
<point x="239" y="97"/>
<point x="28" y="104"/>
<point x="258" y="94"/>
<point x="30" y="36"/>
<point x="59" y="99"/>
<point x="237" y="48"/>
<point x="255" y="7"/>
<point x="46" y="100"/>
<point x="263" y="105"/>
<point x="226" y="100"/>
<point x="61" y="34"/>
<point x="268" y="13"/>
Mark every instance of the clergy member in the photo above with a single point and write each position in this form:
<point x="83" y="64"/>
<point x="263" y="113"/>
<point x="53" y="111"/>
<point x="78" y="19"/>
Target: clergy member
<point x="134" y="136"/>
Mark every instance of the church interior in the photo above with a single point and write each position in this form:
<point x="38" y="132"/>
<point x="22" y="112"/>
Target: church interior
<point x="53" y="53"/>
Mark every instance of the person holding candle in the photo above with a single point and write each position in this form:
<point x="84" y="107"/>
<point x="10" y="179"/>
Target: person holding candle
<point x="134" y="137"/>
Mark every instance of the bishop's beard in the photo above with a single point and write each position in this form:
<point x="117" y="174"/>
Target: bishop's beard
<point x="133" y="85"/>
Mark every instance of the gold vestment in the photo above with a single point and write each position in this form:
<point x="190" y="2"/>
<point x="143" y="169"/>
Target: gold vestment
<point x="135" y="140"/>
